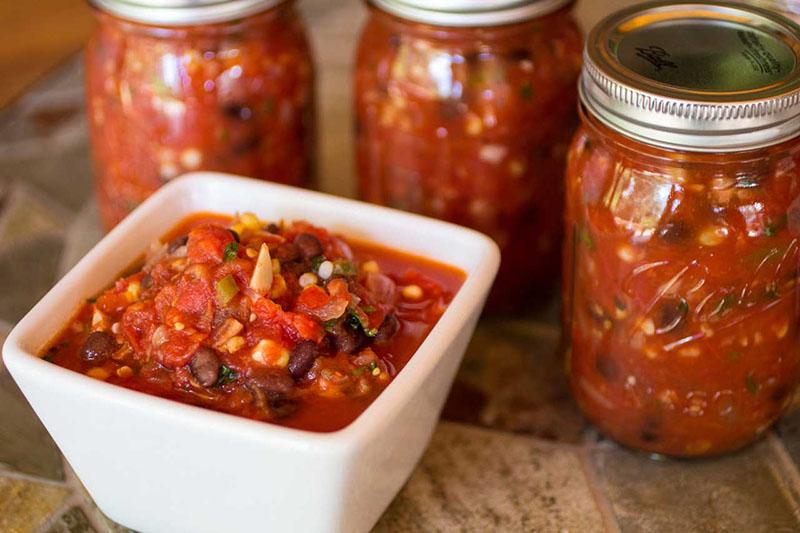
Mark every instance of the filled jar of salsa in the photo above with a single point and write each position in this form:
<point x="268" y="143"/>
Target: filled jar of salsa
<point x="225" y="85"/>
<point x="464" y="113"/>
<point x="682" y="226"/>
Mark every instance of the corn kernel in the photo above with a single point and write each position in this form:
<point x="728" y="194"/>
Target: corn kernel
<point x="178" y="326"/>
<point x="712" y="236"/>
<point x="276" y="266"/>
<point x="412" y="292"/>
<point x="133" y="291"/>
<point x="648" y="327"/>
<point x="251" y="253"/>
<point x="308" y="279"/>
<point x="98" y="372"/>
<point x="124" y="371"/>
<point x="250" y="221"/>
<point x="234" y="344"/>
<point x="371" y="267"/>
<point x="474" y="125"/>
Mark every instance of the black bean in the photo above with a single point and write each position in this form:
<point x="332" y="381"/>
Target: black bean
<point x="675" y="232"/>
<point x="177" y="242"/>
<point x="248" y="144"/>
<point x="519" y="54"/>
<point x="345" y="338"/>
<point x="780" y="394"/>
<point x="286" y="253"/>
<point x="273" y="228"/>
<point x="302" y="358"/>
<point x="235" y="235"/>
<point x="388" y="329"/>
<point x="607" y="367"/>
<point x="205" y="366"/>
<point x="237" y="111"/>
<point x="308" y="245"/>
<point x="671" y="314"/>
<point x="274" y="384"/>
<point x="99" y="346"/>
<point x="650" y="429"/>
<point x="147" y="281"/>
<point x="273" y="392"/>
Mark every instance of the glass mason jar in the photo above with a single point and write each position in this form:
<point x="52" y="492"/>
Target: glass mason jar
<point x="223" y="85"/>
<point x="464" y="113"/>
<point x="682" y="224"/>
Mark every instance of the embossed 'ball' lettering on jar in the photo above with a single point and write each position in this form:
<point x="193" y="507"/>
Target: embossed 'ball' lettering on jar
<point x="180" y="85"/>
<point x="682" y="226"/>
<point x="464" y="111"/>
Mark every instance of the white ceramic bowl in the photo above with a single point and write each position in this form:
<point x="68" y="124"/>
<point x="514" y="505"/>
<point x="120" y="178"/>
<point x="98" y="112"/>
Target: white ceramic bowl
<point x="159" y="465"/>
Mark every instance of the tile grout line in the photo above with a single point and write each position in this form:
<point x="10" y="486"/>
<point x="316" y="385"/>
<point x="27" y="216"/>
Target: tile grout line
<point x="599" y="495"/>
<point x="787" y="474"/>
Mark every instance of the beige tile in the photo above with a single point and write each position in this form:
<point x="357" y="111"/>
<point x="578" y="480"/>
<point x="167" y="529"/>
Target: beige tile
<point x="25" y="505"/>
<point x="478" y="480"/>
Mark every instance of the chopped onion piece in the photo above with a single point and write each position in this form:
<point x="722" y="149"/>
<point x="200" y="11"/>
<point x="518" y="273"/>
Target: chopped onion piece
<point x="261" y="282"/>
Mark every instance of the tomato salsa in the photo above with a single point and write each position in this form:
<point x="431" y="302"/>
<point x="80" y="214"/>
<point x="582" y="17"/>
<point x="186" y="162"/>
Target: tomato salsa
<point x="232" y="96"/>
<point x="472" y="125"/>
<point x="280" y="322"/>
<point x="683" y="222"/>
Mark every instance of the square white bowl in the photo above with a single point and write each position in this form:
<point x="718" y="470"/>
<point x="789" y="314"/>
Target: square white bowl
<point x="158" y="465"/>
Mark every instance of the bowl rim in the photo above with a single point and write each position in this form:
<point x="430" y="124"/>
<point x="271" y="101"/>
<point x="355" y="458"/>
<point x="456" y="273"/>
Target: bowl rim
<point x="372" y="420"/>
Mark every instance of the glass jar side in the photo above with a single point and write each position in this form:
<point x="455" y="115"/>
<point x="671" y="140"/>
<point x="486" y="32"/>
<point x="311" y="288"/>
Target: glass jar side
<point x="236" y="97"/>
<point x="681" y="297"/>
<point x="471" y="125"/>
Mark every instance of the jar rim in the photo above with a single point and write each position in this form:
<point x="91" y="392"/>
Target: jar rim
<point x="183" y="12"/>
<point x="469" y="13"/>
<point x="695" y="76"/>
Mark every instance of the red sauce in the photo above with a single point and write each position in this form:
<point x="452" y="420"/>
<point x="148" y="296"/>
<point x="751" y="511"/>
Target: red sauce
<point x="681" y="296"/>
<point x="233" y="97"/>
<point x="471" y="125"/>
<point x="192" y="325"/>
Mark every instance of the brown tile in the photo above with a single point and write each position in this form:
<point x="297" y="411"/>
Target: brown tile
<point x="28" y="271"/>
<point x="29" y="214"/>
<point x="25" y="446"/>
<point x="25" y="505"/>
<point x="512" y="378"/>
<point x="743" y="491"/>
<point x="481" y="480"/>
<point x="74" y="520"/>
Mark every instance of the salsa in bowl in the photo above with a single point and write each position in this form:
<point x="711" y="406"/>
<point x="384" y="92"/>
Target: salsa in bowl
<point x="155" y="464"/>
<point x="280" y="321"/>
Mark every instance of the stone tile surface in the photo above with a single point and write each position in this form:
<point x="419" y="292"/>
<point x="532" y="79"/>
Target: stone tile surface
<point x="26" y="505"/>
<point x="744" y="491"/>
<point x="478" y="480"/>
<point x="28" y="271"/>
<point x="513" y="379"/>
<point x="74" y="520"/>
<point x="25" y="445"/>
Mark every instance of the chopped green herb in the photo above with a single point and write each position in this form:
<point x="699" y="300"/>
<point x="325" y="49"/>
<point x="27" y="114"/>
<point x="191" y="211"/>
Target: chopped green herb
<point x="526" y="91"/>
<point x="231" y="251"/>
<point x="329" y="325"/>
<point x="226" y="375"/>
<point x="771" y="291"/>
<point x="368" y="309"/>
<point x="358" y="371"/>
<point x="750" y="383"/>
<point x="746" y="182"/>
<point x="342" y="267"/>
<point x="316" y="262"/>
<point x="91" y="300"/>
<point x="226" y="289"/>
<point x="586" y="239"/>
<point x="774" y="227"/>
